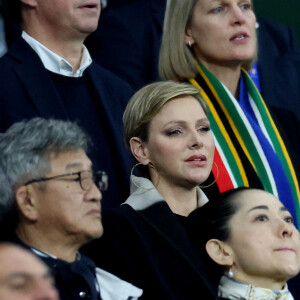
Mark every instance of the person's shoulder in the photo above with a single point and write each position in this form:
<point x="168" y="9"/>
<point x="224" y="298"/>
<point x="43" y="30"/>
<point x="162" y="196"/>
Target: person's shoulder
<point x="273" y="25"/>
<point x="280" y="35"/>
<point x="18" y="53"/>
<point x="123" y="210"/>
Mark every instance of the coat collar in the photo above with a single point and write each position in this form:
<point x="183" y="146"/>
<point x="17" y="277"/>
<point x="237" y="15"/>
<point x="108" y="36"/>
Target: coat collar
<point x="36" y="81"/>
<point x="232" y="289"/>
<point x="143" y="194"/>
<point x="151" y="206"/>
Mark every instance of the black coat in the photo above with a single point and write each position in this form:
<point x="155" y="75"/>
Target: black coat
<point x="146" y="244"/>
<point x="279" y="65"/>
<point x="27" y="91"/>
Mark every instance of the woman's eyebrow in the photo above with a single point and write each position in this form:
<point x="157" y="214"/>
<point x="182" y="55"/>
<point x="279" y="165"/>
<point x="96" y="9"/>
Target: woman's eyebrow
<point x="259" y="207"/>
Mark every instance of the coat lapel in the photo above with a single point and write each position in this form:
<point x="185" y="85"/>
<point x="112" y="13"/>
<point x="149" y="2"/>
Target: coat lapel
<point x="160" y="217"/>
<point x="36" y="81"/>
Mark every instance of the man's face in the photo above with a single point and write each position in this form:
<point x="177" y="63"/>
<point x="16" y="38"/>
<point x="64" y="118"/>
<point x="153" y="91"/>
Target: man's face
<point x="68" y="18"/>
<point x="64" y="210"/>
<point x="23" y="276"/>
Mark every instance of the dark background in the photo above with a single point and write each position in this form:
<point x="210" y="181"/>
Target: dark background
<point x="284" y="11"/>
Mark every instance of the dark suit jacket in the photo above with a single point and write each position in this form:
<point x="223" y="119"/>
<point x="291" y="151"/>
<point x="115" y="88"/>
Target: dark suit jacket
<point x="279" y="65"/>
<point x="150" y="249"/>
<point x="128" y="39"/>
<point x="28" y="91"/>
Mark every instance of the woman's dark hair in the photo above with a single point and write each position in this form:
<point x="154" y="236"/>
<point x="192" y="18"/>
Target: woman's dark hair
<point x="211" y="221"/>
<point x="215" y="216"/>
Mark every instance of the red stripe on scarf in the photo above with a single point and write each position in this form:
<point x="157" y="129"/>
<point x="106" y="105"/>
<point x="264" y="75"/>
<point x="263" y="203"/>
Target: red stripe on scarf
<point x="224" y="181"/>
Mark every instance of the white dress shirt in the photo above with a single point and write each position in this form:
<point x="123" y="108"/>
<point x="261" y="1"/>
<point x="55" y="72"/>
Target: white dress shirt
<point x="55" y="63"/>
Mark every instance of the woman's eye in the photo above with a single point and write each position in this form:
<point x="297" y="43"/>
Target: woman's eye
<point x="246" y="6"/>
<point x="174" y="132"/>
<point x="217" y="10"/>
<point x="289" y="219"/>
<point x="261" y="218"/>
<point x="204" y="128"/>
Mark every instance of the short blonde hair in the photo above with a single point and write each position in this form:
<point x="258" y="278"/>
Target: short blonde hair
<point x="176" y="59"/>
<point x="148" y="101"/>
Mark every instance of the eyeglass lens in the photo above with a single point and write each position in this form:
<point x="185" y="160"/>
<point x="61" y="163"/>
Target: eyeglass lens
<point x="100" y="178"/>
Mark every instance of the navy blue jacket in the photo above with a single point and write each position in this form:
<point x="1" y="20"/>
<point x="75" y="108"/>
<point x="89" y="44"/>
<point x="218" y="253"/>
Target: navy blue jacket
<point x="27" y="91"/>
<point x="128" y="39"/>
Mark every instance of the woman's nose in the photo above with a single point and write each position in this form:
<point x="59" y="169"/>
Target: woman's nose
<point x="285" y="229"/>
<point x="195" y="141"/>
<point x="238" y="16"/>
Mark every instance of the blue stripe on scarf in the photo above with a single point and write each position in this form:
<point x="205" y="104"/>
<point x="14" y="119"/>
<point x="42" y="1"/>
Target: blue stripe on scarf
<point x="284" y="191"/>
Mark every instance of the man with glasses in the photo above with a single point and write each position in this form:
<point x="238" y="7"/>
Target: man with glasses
<point x="55" y="198"/>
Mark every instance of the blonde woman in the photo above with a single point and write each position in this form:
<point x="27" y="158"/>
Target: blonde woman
<point x="168" y="132"/>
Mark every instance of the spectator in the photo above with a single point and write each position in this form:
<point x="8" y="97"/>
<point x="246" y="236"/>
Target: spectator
<point x="167" y="130"/>
<point x="23" y="276"/>
<point x="56" y="198"/>
<point x="49" y="73"/>
<point x="251" y="237"/>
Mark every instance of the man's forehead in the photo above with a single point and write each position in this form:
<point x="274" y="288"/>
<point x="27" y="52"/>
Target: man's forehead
<point x="71" y="160"/>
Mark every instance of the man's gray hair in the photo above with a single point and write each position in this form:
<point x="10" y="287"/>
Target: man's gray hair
<point x="25" y="150"/>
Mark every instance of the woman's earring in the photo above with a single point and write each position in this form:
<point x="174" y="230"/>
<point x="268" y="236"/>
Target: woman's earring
<point x="132" y="180"/>
<point x="230" y="273"/>
<point x="190" y="44"/>
<point x="141" y="188"/>
<point x="216" y="178"/>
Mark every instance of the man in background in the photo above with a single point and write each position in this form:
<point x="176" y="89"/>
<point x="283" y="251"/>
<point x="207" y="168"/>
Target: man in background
<point x="48" y="72"/>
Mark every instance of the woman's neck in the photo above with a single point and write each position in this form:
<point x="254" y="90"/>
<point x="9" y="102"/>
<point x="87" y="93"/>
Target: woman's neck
<point x="182" y="201"/>
<point x="228" y="75"/>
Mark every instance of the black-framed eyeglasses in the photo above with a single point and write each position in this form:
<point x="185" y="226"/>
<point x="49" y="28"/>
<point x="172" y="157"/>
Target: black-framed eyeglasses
<point x="86" y="179"/>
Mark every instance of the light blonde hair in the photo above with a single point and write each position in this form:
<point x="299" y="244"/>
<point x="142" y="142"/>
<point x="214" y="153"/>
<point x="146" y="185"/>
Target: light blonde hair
<point x="176" y="59"/>
<point x="148" y="101"/>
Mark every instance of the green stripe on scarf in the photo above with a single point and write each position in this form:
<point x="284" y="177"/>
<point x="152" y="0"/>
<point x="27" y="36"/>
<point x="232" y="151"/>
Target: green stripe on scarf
<point x="227" y="147"/>
<point x="239" y="128"/>
<point x="276" y="139"/>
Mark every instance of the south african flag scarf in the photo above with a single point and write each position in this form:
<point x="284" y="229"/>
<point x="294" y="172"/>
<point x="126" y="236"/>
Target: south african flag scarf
<point x="249" y="148"/>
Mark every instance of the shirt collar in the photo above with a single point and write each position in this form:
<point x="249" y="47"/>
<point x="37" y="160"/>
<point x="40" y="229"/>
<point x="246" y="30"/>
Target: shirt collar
<point x="233" y="289"/>
<point x="55" y="63"/>
<point x="46" y="254"/>
<point x="143" y="194"/>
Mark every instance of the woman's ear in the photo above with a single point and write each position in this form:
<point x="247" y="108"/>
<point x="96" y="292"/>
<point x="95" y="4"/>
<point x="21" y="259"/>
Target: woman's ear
<point x="31" y="3"/>
<point x="219" y="252"/>
<point x="25" y="203"/>
<point x="188" y="38"/>
<point x="139" y="151"/>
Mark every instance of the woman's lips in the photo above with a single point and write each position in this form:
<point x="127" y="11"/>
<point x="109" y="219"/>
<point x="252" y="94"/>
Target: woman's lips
<point x="197" y="160"/>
